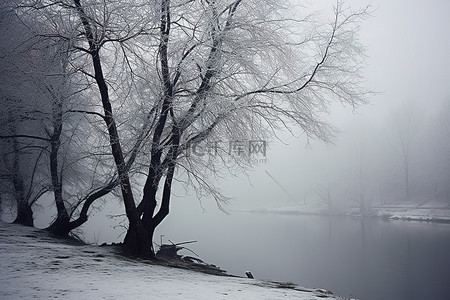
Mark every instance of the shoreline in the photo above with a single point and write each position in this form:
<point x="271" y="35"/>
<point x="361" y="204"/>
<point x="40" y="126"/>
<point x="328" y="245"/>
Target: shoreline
<point x="392" y="213"/>
<point x="34" y="263"/>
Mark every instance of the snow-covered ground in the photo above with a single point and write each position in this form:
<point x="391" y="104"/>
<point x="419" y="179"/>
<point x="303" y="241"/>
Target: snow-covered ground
<point x="33" y="264"/>
<point x="429" y="212"/>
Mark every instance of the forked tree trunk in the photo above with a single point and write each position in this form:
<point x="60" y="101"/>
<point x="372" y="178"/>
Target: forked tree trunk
<point x="64" y="226"/>
<point x="151" y="220"/>
<point x="61" y="224"/>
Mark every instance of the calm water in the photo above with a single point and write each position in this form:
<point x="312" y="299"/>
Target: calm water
<point x="367" y="259"/>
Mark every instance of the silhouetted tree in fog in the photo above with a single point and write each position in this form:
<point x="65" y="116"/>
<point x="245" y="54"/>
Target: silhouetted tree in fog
<point x="43" y="133"/>
<point x="440" y="152"/>
<point x="407" y="124"/>
<point x="22" y="139"/>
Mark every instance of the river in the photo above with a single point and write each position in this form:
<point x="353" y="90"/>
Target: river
<point x="367" y="259"/>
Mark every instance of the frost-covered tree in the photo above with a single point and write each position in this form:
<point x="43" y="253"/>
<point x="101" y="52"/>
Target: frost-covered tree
<point x="173" y="75"/>
<point x="22" y="142"/>
<point x="44" y="131"/>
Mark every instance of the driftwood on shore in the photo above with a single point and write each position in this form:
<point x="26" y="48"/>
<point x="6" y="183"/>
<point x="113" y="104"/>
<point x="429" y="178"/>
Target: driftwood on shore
<point x="170" y="250"/>
<point x="169" y="254"/>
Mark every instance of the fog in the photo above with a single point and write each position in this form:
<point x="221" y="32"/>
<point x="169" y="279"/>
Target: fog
<point x="408" y="66"/>
<point x="405" y="124"/>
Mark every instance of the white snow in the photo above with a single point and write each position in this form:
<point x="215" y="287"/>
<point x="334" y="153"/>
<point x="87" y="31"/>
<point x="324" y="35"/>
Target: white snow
<point x="33" y="264"/>
<point x="429" y="212"/>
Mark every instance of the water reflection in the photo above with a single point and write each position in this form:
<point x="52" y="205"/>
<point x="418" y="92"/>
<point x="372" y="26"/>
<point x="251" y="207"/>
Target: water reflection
<point x="364" y="258"/>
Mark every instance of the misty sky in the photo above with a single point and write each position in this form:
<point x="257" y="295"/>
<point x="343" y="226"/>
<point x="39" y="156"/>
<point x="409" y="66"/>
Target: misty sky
<point x="407" y="62"/>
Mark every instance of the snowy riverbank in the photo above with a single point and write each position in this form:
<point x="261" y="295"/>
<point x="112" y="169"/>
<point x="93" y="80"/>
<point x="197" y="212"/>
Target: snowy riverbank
<point x="33" y="264"/>
<point x="425" y="213"/>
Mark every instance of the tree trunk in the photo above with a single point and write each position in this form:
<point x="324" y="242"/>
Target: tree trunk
<point x="150" y="221"/>
<point x="136" y="241"/>
<point x="24" y="214"/>
<point x="148" y="204"/>
<point x="24" y="211"/>
<point x="406" y="169"/>
<point x="61" y="224"/>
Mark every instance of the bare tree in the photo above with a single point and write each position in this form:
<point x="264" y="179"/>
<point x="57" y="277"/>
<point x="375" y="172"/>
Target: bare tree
<point x="235" y="76"/>
<point x="438" y="153"/>
<point x="407" y="123"/>
<point x="324" y="193"/>
<point x="363" y="199"/>
<point x="174" y="74"/>
<point x="21" y="135"/>
<point x="41" y="98"/>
